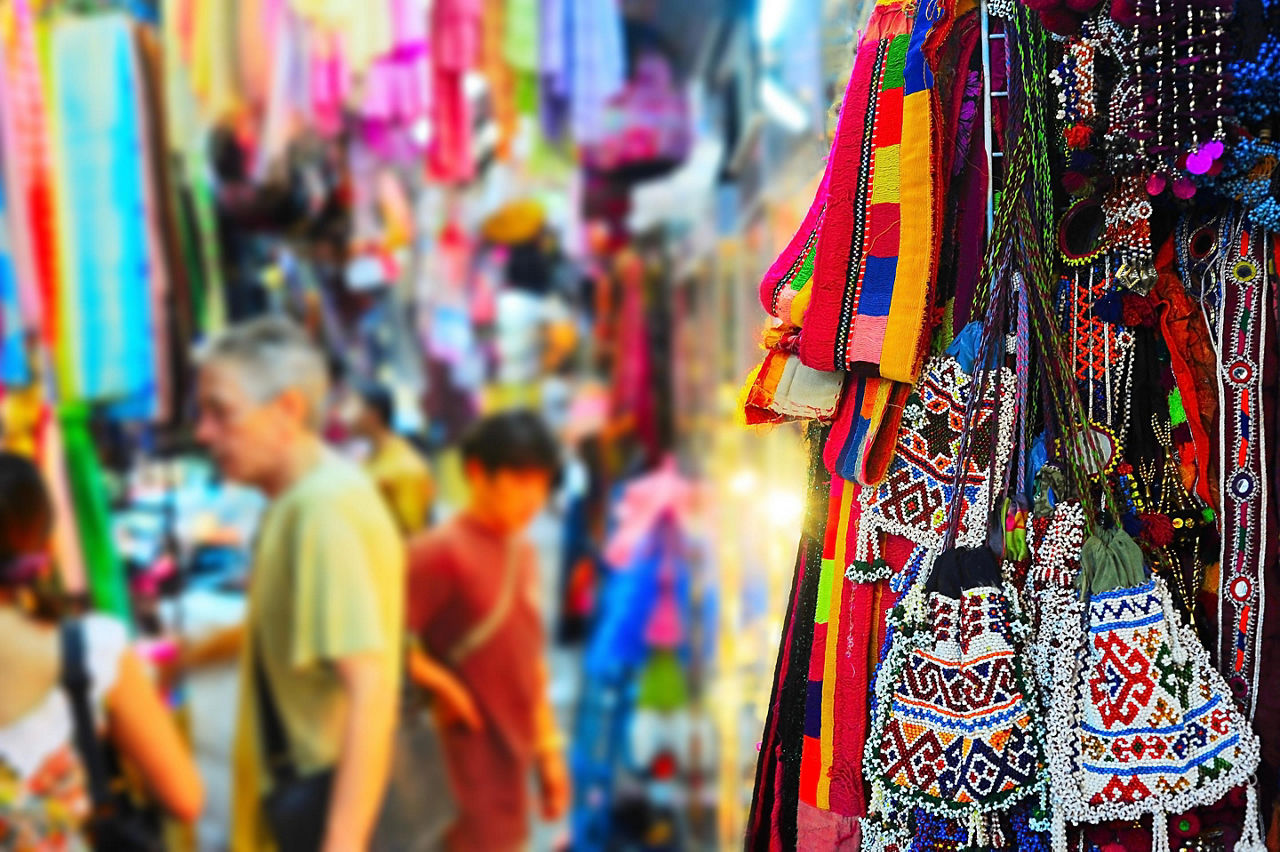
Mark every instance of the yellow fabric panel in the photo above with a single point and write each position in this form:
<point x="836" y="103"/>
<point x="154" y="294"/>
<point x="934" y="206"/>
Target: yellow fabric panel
<point x="833" y="646"/>
<point x="908" y="312"/>
<point x="887" y="171"/>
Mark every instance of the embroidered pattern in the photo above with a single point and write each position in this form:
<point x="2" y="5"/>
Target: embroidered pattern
<point x="1140" y="722"/>
<point x="1055" y="542"/>
<point x="877" y="255"/>
<point x="1102" y="352"/>
<point x="913" y="499"/>
<point x="1240" y="331"/>
<point x="956" y="733"/>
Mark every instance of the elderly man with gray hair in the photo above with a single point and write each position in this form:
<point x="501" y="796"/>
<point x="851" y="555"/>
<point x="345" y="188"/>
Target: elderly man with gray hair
<point x="320" y="647"/>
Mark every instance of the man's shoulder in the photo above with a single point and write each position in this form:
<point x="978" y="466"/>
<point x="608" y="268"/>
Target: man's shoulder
<point x="441" y="542"/>
<point x="341" y="492"/>
<point x="402" y="457"/>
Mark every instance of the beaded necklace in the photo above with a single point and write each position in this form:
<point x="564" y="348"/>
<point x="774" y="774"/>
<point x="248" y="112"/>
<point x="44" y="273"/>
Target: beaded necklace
<point x="1256" y="78"/>
<point x="1180" y="57"/>
<point x="1251" y="177"/>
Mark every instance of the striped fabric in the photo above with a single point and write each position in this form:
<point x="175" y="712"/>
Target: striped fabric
<point x="876" y="255"/>
<point x="28" y="166"/>
<point x="106" y="346"/>
<point x="13" y="359"/>
<point x="817" y="754"/>
<point x="848" y="626"/>
<point x="862" y="440"/>
<point x="785" y="290"/>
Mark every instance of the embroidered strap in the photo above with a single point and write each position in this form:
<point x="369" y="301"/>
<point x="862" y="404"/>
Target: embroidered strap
<point x="1241" y="331"/>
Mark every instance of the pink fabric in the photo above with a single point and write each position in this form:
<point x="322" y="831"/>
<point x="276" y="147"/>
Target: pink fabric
<point x="455" y="42"/>
<point x="665" y="629"/>
<point x="772" y="288"/>
<point x="645" y="501"/>
<point x="866" y="346"/>
<point x="819" y="829"/>
<point x="455" y="34"/>
<point x="409" y="22"/>
<point x="28" y="173"/>
<point x="329" y="80"/>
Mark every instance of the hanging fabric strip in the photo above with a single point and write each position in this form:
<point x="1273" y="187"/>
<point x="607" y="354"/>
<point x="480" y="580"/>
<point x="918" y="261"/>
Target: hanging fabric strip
<point x="786" y="288"/>
<point x="28" y="168"/>
<point x="877" y="253"/>
<point x="1241" y="330"/>
<point x="811" y="762"/>
<point x="862" y="441"/>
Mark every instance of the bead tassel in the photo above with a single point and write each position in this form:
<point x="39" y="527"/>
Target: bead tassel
<point x="1251" y="840"/>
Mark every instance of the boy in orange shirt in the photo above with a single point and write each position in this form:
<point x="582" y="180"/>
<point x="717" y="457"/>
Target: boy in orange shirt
<point x="473" y="609"/>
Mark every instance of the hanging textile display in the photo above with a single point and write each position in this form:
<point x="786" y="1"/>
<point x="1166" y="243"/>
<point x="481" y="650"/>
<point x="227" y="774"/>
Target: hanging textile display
<point x="877" y="249"/>
<point x="28" y="170"/>
<point x="103" y="567"/>
<point x="1050" y="525"/>
<point x="1140" y="722"/>
<point x="110" y="275"/>
<point x="14" y="369"/>
<point x="456" y="42"/>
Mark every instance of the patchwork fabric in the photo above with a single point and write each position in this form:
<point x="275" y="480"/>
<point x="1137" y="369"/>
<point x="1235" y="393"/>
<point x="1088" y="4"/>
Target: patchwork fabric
<point x="1141" y="723"/>
<point x="861" y="445"/>
<point x="792" y="271"/>
<point x="921" y="482"/>
<point x="838" y="685"/>
<point x="783" y="389"/>
<point x="956" y="729"/>
<point x="877" y="252"/>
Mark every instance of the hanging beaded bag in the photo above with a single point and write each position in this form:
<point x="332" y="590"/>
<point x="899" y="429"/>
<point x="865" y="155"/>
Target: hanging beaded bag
<point x="1140" y="722"/>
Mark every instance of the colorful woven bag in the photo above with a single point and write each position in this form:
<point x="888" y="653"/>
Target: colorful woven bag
<point x="923" y="480"/>
<point x="1140" y="721"/>
<point x="956" y="726"/>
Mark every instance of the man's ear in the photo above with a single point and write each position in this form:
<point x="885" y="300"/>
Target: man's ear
<point x="295" y="405"/>
<point x="474" y="470"/>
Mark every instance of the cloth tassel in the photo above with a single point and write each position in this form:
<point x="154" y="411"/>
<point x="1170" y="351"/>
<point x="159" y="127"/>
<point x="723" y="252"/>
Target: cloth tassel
<point x="1251" y="839"/>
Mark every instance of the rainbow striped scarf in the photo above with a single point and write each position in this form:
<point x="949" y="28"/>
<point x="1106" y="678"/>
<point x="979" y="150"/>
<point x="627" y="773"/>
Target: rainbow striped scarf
<point x="876" y="255"/>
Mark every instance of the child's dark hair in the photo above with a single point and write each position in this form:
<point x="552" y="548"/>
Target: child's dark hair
<point x="512" y="440"/>
<point x="380" y="400"/>
<point x="26" y="512"/>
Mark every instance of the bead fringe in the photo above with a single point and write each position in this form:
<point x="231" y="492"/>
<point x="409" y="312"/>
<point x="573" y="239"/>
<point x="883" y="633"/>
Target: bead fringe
<point x="1159" y="832"/>
<point x="1251" y="840"/>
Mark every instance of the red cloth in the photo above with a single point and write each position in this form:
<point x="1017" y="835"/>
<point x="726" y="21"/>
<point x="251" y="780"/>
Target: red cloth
<point x="491" y="790"/>
<point x="455" y="578"/>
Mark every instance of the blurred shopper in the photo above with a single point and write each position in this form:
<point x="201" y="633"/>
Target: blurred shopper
<point x="321" y="648"/>
<point x="474" y="611"/>
<point x="394" y="464"/>
<point x="46" y="754"/>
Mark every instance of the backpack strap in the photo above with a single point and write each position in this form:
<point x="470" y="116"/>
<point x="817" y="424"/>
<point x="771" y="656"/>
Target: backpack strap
<point x="275" y="742"/>
<point x="493" y="620"/>
<point x="76" y="681"/>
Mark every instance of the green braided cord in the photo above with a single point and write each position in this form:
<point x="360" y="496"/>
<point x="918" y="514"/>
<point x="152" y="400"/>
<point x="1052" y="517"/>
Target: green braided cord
<point x="1025" y="220"/>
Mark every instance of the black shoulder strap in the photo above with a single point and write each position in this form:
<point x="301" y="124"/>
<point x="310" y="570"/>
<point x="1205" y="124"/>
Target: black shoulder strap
<point x="76" y="681"/>
<point x="275" y="745"/>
